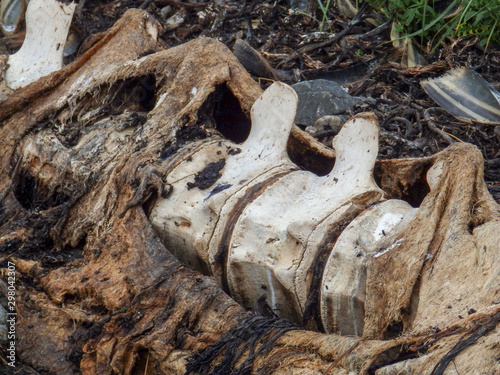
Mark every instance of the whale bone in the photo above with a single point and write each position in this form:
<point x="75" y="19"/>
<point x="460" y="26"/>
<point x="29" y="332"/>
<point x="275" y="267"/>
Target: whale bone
<point x="187" y="219"/>
<point x="270" y="240"/>
<point x="47" y="26"/>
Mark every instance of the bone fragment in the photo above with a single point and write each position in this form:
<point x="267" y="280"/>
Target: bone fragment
<point x="190" y="216"/>
<point x="47" y="26"/>
<point x="270" y="240"/>
<point x="466" y="95"/>
<point x="344" y="279"/>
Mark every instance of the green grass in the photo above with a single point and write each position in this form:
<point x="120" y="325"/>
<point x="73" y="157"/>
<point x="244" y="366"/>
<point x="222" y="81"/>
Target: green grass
<point x="418" y="18"/>
<point x="324" y="10"/>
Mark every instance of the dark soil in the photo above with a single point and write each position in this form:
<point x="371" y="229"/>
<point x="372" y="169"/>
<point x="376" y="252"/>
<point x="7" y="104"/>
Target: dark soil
<point x="294" y="43"/>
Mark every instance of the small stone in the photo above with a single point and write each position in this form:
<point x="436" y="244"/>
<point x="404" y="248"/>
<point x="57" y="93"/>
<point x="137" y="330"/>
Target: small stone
<point x="165" y="11"/>
<point x="320" y="97"/>
<point x="176" y="20"/>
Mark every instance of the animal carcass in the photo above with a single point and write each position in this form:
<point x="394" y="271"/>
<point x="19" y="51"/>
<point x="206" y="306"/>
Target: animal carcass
<point x="260" y="228"/>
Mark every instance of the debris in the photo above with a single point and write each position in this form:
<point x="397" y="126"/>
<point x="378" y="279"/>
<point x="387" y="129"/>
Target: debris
<point x="257" y="65"/>
<point x="327" y="125"/>
<point x="344" y="76"/>
<point x="346" y="8"/>
<point x="466" y="95"/>
<point x="318" y="98"/>
<point x="432" y="126"/>
<point x="175" y="21"/>
<point x="11" y="15"/>
<point x="410" y="56"/>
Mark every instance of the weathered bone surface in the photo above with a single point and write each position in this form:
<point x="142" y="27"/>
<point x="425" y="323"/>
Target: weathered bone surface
<point x="344" y="280"/>
<point x="188" y="218"/>
<point x="47" y="25"/>
<point x="259" y="229"/>
<point x="273" y="237"/>
<point x="264" y="229"/>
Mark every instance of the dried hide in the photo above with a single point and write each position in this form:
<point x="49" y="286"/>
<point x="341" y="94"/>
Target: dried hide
<point x="401" y="264"/>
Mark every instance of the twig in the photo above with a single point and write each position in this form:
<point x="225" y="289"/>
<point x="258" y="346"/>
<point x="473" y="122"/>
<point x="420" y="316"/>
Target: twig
<point x="244" y="11"/>
<point x="145" y="4"/>
<point x="475" y="333"/>
<point x="455" y="138"/>
<point x="147" y="363"/>
<point x="312" y="47"/>
<point x="431" y="339"/>
<point x="376" y="31"/>
<point x="337" y="361"/>
<point x="409" y="127"/>
<point x="433" y="127"/>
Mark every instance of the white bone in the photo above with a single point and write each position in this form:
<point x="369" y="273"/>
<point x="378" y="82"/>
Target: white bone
<point x="273" y="231"/>
<point x="342" y="293"/>
<point x="272" y="119"/>
<point x="47" y="26"/>
<point x="187" y="219"/>
<point x="276" y="237"/>
<point x="181" y="220"/>
<point x="263" y="155"/>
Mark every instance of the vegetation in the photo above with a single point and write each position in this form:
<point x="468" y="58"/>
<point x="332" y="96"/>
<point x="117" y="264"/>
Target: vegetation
<point x="324" y="11"/>
<point x="424" y="18"/>
<point x="434" y="21"/>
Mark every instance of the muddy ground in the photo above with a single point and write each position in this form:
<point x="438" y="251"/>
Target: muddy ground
<point x="296" y="43"/>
